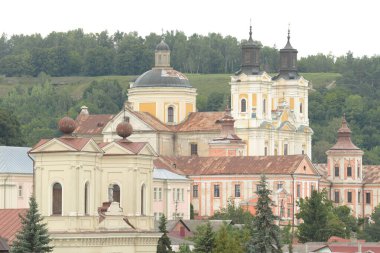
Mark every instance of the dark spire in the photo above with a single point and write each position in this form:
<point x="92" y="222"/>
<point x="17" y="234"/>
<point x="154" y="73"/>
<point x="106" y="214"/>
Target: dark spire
<point x="250" y="56"/>
<point x="288" y="61"/>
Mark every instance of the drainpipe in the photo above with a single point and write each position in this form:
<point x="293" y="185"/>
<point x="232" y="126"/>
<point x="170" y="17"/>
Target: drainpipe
<point x="293" y="203"/>
<point x="5" y="195"/>
<point x="34" y="176"/>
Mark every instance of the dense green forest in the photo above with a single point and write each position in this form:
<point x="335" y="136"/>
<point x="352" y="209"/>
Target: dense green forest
<point x="46" y="77"/>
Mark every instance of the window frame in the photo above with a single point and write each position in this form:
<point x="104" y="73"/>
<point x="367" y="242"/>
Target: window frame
<point x="349" y="197"/>
<point x="349" y="171"/>
<point x="195" y="191"/>
<point x="368" y="198"/>
<point x="193" y="149"/>
<point x="237" y="191"/>
<point x="337" y="197"/>
<point x="170" y="112"/>
<point x="216" y="191"/>
<point x="243" y="105"/>
<point x="336" y="169"/>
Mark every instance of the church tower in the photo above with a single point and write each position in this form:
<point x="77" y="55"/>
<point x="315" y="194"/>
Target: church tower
<point x="163" y="92"/>
<point x="345" y="171"/>
<point x="271" y="113"/>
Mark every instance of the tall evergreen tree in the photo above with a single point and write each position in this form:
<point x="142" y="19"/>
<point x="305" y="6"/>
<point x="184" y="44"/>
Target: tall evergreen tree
<point x="204" y="239"/>
<point x="33" y="236"/>
<point x="265" y="233"/>
<point x="164" y="244"/>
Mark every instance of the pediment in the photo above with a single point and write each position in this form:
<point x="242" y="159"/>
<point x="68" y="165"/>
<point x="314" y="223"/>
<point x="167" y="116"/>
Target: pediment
<point x="53" y="145"/>
<point x="91" y="146"/>
<point x="287" y="126"/>
<point x="116" y="149"/>
<point x="148" y="150"/>
<point x="306" y="167"/>
<point x="137" y="123"/>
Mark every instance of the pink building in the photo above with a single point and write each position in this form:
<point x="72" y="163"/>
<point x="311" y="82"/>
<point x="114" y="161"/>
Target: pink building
<point x="171" y="195"/>
<point x="16" y="177"/>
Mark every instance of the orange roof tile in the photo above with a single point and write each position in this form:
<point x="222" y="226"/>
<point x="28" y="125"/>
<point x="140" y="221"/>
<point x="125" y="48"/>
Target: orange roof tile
<point x="201" y="121"/>
<point x="74" y="142"/>
<point x="10" y="223"/>
<point x="234" y="165"/>
<point x="152" y="121"/>
<point x="371" y="174"/>
<point x="134" y="147"/>
<point x="92" y="124"/>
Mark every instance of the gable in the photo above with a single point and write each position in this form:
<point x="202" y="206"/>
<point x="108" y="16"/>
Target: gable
<point x="52" y="146"/>
<point x="306" y="167"/>
<point x="147" y="150"/>
<point x="115" y="149"/>
<point x="287" y="126"/>
<point x="91" y="146"/>
<point x="137" y="123"/>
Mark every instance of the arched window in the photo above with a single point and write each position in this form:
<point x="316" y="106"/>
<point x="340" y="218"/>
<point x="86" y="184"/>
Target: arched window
<point x="116" y="193"/>
<point x="86" y="194"/>
<point x="143" y="199"/>
<point x="300" y="107"/>
<point x="243" y="106"/>
<point x="170" y="114"/>
<point x="57" y="199"/>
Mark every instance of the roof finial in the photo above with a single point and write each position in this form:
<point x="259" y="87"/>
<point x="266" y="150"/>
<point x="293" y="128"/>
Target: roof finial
<point x="288" y="32"/>
<point x="250" y="29"/>
<point x="162" y="34"/>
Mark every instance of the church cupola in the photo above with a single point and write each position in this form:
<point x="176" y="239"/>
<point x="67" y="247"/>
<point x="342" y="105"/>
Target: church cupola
<point x="288" y="61"/>
<point x="162" y="55"/>
<point x="250" y="56"/>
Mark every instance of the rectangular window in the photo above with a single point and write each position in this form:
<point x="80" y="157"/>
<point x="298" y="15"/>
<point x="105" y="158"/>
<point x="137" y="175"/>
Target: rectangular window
<point x="182" y="195"/>
<point x="336" y="169"/>
<point x="20" y="191"/>
<point x="195" y="191"/>
<point x="368" y="198"/>
<point x="216" y="191"/>
<point x="349" y="171"/>
<point x="349" y="197"/>
<point x="193" y="149"/>
<point x="159" y="194"/>
<point x="311" y="188"/>
<point x="359" y="195"/>
<point x="279" y="186"/>
<point x="336" y="197"/>
<point x="178" y="195"/>
<point x="285" y="149"/>
<point x="265" y="151"/>
<point x="358" y="172"/>
<point x="298" y="190"/>
<point x="237" y="190"/>
<point x="155" y="193"/>
<point x="173" y="194"/>
<point x="288" y="212"/>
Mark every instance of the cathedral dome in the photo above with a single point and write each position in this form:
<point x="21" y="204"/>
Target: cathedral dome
<point x="162" y="77"/>
<point x="162" y="46"/>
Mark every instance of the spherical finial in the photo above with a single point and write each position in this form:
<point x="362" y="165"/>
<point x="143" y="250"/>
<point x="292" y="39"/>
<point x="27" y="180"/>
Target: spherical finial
<point x="67" y="125"/>
<point x="124" y="129"/>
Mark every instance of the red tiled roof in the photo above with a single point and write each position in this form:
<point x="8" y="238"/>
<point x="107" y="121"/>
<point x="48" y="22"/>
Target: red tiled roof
<point x="77" y="143"/>
<point x="234" y="164"/>
<point x="338" y="248"/>
<point x="344" y="139"/>
<point x="92" y="124"/>
<point x="10" y="223"/>
<point x="134" y="147"/>
<point x="201" y="121"/>
<point x="152" y="121"/>
<point x="371" y="174"/>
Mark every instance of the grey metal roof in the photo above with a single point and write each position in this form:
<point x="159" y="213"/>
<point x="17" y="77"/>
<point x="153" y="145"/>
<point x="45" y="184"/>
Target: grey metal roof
<point x="15" y="160"/>
<point x="162" y="77"/>
<point x="168" y="175"/>
<point x="162" y="46"/>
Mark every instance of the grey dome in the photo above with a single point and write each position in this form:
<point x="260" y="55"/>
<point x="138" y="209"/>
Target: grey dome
<point x="162" y="46"/>
<point x="162" y="77"/>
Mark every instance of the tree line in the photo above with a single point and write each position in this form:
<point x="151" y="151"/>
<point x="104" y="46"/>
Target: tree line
<point x="95" y="54"/>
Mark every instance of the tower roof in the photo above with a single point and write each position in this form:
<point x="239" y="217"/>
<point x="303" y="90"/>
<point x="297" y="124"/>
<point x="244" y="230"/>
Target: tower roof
<point x="162" y="46"/>
<point x="344" y="138"/>
<point x="227" y="132"/>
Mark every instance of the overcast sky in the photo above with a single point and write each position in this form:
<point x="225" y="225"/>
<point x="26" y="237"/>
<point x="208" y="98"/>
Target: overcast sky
<point x="335" y="26"/>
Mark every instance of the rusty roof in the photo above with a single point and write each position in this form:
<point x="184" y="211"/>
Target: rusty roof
<point x="10" y="223"/>
<point x="92" y="124"/>
<point x="201" y="121"/>
<point x="371" y="174"/>
<point x="74" y="142"/>
<point x="235" y="164"/>
<point x="152" y="121"/>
